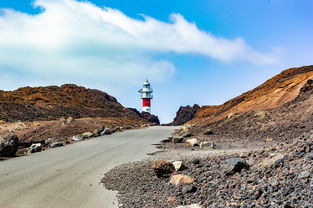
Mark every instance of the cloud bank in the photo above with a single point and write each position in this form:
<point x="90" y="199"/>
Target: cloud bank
<point x="80" y="40"/>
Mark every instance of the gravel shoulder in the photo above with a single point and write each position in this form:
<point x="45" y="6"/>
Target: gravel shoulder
<point x="279" y="175"/>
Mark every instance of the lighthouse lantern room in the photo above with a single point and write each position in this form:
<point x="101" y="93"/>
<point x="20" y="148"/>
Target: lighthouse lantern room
<point x="146" y="96"/>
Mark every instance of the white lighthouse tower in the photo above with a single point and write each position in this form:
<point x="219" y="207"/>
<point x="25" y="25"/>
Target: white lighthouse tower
<point x="146" y="96"/>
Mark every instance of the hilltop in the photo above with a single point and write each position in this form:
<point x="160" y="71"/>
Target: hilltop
<point x="279" y="108"/>
<point x="53" y="102"/>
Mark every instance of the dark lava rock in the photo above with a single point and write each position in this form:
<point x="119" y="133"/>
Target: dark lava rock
<point x="56" y="144"/>
<point x="195" y="161"/>
<point x="185" y="114"/>
<point x="309" y="155"/>
<point x="208" y="132"/>
<point x="150" y="118"/>
<point x="163" y="168"/>
<point x="8" y="145"/>
<point x="235" y="165"/>
<point x="189" y="189"/>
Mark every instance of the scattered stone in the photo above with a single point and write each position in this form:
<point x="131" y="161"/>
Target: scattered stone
<point x="304" y="174"/>
<point x="208" y="132"/>
<point x="272" y="160"/>
<point x="50" y="140"/>
<point x="56" y="144"/>
<point x="78" y="138"/>
<point x="106" y="131"/>
<point x="87" y="134"/>
<point x="309" y="155"/>
<point x="192" y="142"/>
<point x="171" y="199"/>
<point x="98" y="131"/>
<point x="186" y="134"/>
<point x="195" y="161"/>
<point x="179" y="165"/>
<point x="235" y="165"/>
<point x="180" y="179"/>
<point x="37" y="147"/>
<point x="177" y="139"/>
<point x="187" y="189"/>
<point x="206" y="145"/>
<point x="163" y="168"/>
<point x="8" y="145"/>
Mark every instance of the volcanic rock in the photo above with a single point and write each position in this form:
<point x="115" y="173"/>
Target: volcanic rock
<point x="206" y="144"/>
<point x="208" y="132"/>
<point x="235" y="165"/>
<point x="185" y="114"/>
<point x="56" y="144"/>
<point x="106" y="131"/>
<point x="8" y="145"/>
<point x="179" y="165"/>
<point x="87" y="134"/>
<point x="150" y="118"/>
<point x="177" y="139"/>
<point x="163" y="168"/>
<point x="180" y="179"/>
<point x="37" y="147"/>
<point x="78" y="137"/>
<point x="192" y="142"/>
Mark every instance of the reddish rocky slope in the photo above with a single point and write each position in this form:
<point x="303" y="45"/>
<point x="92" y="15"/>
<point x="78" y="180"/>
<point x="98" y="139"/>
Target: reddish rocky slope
<point x="53" y="102"/>
<point x="280" y="108"/>
<point x="273" y="93"/>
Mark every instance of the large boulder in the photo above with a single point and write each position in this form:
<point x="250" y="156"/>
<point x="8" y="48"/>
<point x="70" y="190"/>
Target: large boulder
<point x="8" y="145"/>
<point x="163" y="168"/>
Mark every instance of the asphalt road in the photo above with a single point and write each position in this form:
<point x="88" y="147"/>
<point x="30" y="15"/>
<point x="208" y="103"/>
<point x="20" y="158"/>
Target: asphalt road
<point x="69" y="176"/>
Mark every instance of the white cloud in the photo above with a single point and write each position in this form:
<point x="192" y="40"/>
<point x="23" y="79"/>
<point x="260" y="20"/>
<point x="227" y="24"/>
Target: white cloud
<point x="79" y="40"/>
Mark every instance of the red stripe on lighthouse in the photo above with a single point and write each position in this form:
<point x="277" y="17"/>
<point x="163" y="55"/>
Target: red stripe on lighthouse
<point x="146" y="102"/>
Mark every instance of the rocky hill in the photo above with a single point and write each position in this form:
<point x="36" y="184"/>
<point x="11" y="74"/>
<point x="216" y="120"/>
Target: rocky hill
<point x="279" y="108"/>
<point x="185" y="114"/>
<point x="273" y="93"/>
<point x="53" y="103"/>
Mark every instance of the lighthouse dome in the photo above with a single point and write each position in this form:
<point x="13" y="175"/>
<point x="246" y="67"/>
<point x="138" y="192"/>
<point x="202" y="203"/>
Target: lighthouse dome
<point x="146" y="83"/>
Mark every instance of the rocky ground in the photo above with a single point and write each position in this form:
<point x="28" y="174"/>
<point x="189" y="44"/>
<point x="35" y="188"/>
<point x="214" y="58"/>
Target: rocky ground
<point x="276" y="176"/>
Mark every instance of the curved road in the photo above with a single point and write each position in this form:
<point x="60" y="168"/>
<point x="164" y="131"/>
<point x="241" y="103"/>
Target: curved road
<point x="69" y="176"/>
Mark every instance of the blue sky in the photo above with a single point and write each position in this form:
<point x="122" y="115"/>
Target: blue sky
<point x="199" y="51"/>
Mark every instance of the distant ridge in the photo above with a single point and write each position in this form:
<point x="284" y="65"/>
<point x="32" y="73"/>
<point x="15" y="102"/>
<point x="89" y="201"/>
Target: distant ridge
<point x="54" y="102"/>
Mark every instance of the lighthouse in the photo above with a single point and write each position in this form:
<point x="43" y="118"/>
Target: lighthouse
<point x="146" y="96"/>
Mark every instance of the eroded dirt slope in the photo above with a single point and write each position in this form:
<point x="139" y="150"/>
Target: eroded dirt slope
<point x="273" y="93"/>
